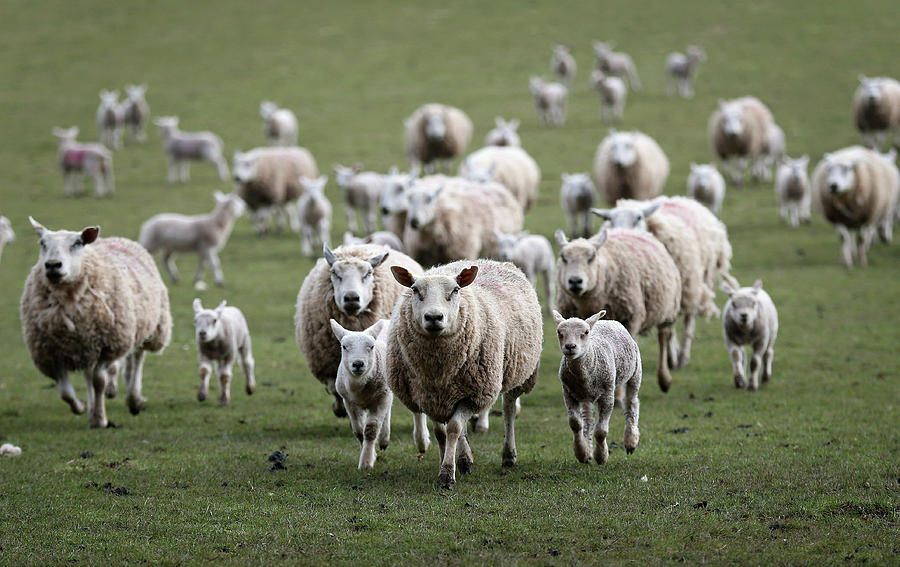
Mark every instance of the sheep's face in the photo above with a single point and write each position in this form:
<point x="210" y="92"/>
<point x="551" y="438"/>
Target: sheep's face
<point x="422" y="206"/>
<point x="267" y="109"/>
<point x="602" y="49"/>
<point x="244" y="168"/>
<point x="505" y="133"/>
<point x="536" y="85"/>
<point x="166" y="124"/>
<point x="578" y="266"/>
<point x="480" y="174"/>
<point x="732" y="122"/>
<point x="797" y="167"/>
<point x="435" y="127"/>
<point x="841" y="176"/>
<point x="621" y="151"/>
<point x="871" y="91"/>
<point x="61" y="252"/>
<point x="66" y="134"/>
<point x="235" y="204"/>
<point x="577" y="184"/>
<point x="109" y="98"/>
<point x="435" y="299"/>
<point x="394" y="194"/>
<point x="506" y="244"/>
<point x="358" y="347"/>
<point x="696" y="53"/>
<point x="6" y="231"/>
<point x="315" y="188"/>
<point x="702" y="175"/>
<point x="573" y="333"/>
<point x="136" y="92"/>
<point x="207" y="322"/>
<point x="343" y="175"/>
<point x="744" y="308"/>
<point x="353" y="281"/>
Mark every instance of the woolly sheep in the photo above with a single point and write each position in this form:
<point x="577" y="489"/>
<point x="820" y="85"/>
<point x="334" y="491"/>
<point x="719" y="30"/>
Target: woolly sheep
<point x="183" y="147"/>
<point x="505" y="133"/>
<point x="379" y="238"/>
<point x="550" y="100"/>
<point x="792" y="191"/>
<point x="750" y="318"/>
<point x="394" y="199"/>
<point x="740" y="132"/>
<point x="707" y="186"/>
<point x="314" y="210"/>
<point x="630" y="275"/>
<point x="599" y="357"/>
<point x="616" y="63"/>
<point x="509" y="166"/>
<point x="279" y="124"/>
<point x="7" y="234"/>
<point x="353" y="286"/>
<point x="464" y="334"/>
<point x="10" y="450"/>
<point x="436" y="132"/>
<point x="629" y="165"/>
<point x="222" y="335"/>
<point x="89" y="304"/>
<point x="613" y="95"/>
<point x="203" y="234"/>
<point x="681" y="68"/>
<point x="857" y="189"/>
<point x="137" y="111"/>
<point x="362" y="193"/>
<point x="533" y="254"/>
<point x="76" y="159"/>
<point x="876" y="110"/>
<point x="577" y="195"/>
<point x="562" y="64"/>
<point x="110" y="119"/>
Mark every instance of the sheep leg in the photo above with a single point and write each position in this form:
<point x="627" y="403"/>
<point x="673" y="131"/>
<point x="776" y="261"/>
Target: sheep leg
<point x="672" y="350"/>
<point x="510" y="411"/>
<point x="586" y="224"/>
<point x="690" y="326"/>
<point x="205" y="372"/>
<point x="580" y="443"/>
<point x="96" y="383"/>
<point x="384" y="435"/>
<point x="455" y="428"/>
<point x="218" y="276"/>
<point x="225" y="380"/>
<point x="664" y="332"/>
<point x="420" y="433"/>
<point x="67" y="392"/>
<point x="67" y="185"/>
<point x="864" y="237"/>
<point x="737" y="364"/>
<point x="369" y="220"/>
<point x="97" y="178"/>
<point x="169" y="263"/>
<point x="370" y="431"/>
<point x="112" y="379"/>
<point x="134" y="378"/>
<point x="846" y="245"/>
<point x="670" y="85"/>
<point x="108" y="180"/>
<point x="247" y="365"/>
<point x="482" y="421"/>
<point x="185" y="171"/>
<point x="767" y="357"/>
<point x="306" y="241"/>
<point x="886" y="228"/>
<point x="351" y="220"/>
<point x="633" y="410"/>
<point x="756" y="361"/>
<point x="293" y="216"/>
<point x="547" y="275"/>
<point x="221" y="167"/>
<point x="202" y="260"/>
<point x="172" y="174"/>
<point x="601" y="430"/>
<point x="793" y="214"/>
<point x="464" y="459"/>
<point x="440" y="433"/>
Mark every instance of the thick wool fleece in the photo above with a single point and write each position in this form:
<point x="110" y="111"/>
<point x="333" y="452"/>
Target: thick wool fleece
<point x="277" y="179"/>
<point x="883" y="115"/>
<point x="870" y="201"/>
<point x="754" y="141"/>
<point x="459" y="134"/>
<point x="512" y="167"/>
<point x="642" y="180"/>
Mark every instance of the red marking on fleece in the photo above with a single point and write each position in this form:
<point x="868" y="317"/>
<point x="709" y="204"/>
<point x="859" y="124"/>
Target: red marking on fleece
<point x="636" y="241"/>
<point x="74" y="158"/>
<point x="680" y="211"/>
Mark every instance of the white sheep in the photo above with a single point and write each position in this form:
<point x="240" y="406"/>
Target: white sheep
<point x="110" y="119"/>
<point x="749" y="318"/>
<point x="222" y="336"/>
<point x="740" y="132"/>
<point x="876" y="110"/>
<point x="533" y="254"/>
<point x="707" y="186"/>
<point x="279" y="124"/>
<point x="550" y="100"/>
<point x="379" y="238"/>
<point x="613" y="95"/>
<point x="10" y="450"/>
<point x="77" y="159"/>
<point x="137" y="111"/>
<point x="792" y="190"/>
<point x="394" y="199"/>
<point x="464" y="334"/>
<point x="562" y="64"/>
<point x="183" y="147"/>
<point x="436" y="133"/>
<point x="509" y="166"/>
<point x="90" y="304"/>
<point x="577" y="195"/>
<point x="616" y="63"/>
<point x="362" y="193"/>
<point x="681" y="68"/>
<point x="314" y="211"/>
<point x="599" y="357"/>
<point x="505" y="133"/>
<point x="629" y="165"/>
<point x="7" y="234"/>
<point x="204" y="235"/>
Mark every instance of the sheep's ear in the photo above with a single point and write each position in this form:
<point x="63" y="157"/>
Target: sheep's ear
<point x="90" y="234"/>
<point x="603" y="213"/>
<point x="612" y="131"/>
<point x="862" y="78"/>
<point x="403" y="276"/>
<point x="693" y="166"/>
<point x="219" y="196"/>
<point x="377" y="260"/>
<point x="220" y="307"/>
<point x="38" y="227"/>
<point x="560" y="237"/>
<point x="336" y="328"/>
<point x="198" y="306"/>
<point x="437" y="192"/>
<point x="557" y="316"/>
<point x="805" y="159"/>
<point x="498" y="121"/>
<point x="827" y="158"/>
<point x="757" y="285"/>
<point x="594" y="318"/>
<point x="376" y="328"/>
<point x="721" y="103"/>
<point x="337" y="167"/>
<point x="357" y="167"/>
<point x="322" y="180"/>
<point x="393" y="170"/>
<point x="467" y="276"/>
<point x="651" y="208"/>
<point x="726" y="287"/>
<point x="600" y="238"/>
<point x="328" y="254"/>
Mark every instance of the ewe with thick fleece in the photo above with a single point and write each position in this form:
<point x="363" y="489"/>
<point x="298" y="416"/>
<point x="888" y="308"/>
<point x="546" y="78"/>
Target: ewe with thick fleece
<point x="137" y="111"/>
<point x="464" y="334"/>
<point x="792" y="191"/>
<point x="183" y="147"/>
<point x="279" y="124"/>
<point x="394" y="199"/>
<point x="533" y="254"/>
<point x="613" y="94"/>
<point x="599" y="357"/>
<point x="77" y="159"/>
<point x="436" y="132"/>
<point x="505" y="133"/>
<point x="110" y="119"/>
<point x="6" y="233"/>
<point x="511" y="167"/>
<point x="380" y="238"/>
<point x="562" y="64"/>
<point x="353" y="286"/>
<point x="550" y="99"/>
<point x="314" y="210"/>
<point x="362" y="193"/>
<point x="681" y="68"/>
<point x="222" y="335"/>
<point x="88" y="303"/>
<point x="876" y="110"/>
<point x="630" y="165"/>
<point x="740" y="132"/>
<point x="629" y="274"/>
<point x="857" y="189"/>
<point x="707" y="186"/>
<point x="750" y="318"/>
<point x="616" y="63"/>
<point x="577" y="195"/>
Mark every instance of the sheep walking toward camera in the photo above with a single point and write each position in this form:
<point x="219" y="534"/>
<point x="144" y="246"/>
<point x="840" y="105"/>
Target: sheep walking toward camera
<point x="562" y="64"/>
<point x="533" y="254"/>
<point x="77" y="159"/>
<point x="436" y="133"/>
<point x="630" y="165"/>
<point x="792" y="191"/>
<point x="222" y="336"/>
<point x="504" y="133"/>
<point x="599" y="357"/>
<point x="613" y="95"/>
<point x="511" y="167"/>
<point x="137" y="111"/>
<point x="314" y="210"/>
<point x="7" y="234"/>
<point x="740" y="133"/>
<point x="110" y="119"/>
<point x="706" y="186"/>
<point x="577" y="195"/>
<point x="90" y="303"/>
<point x="279" y="124"/>
<point x="616" y="63"/>
<point x="681" y="69"/>
<point x="379" y="238"/>
<point x="362" y="194"/>
<point x="876" y="110"/>
<point x="750" y="318"/>
<point x="394" y="200"/>
<point x="550" y="100"/>
<point x="184" y="147"/>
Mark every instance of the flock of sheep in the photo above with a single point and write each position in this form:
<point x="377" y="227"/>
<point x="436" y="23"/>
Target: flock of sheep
<point x="440" y="308"/>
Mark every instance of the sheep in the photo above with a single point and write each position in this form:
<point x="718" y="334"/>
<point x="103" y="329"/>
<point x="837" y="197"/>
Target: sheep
<point x="7" y="234"/>
<point x="183" y="147"/>
<point x="379" y="238"/>
<point x="707" y="186"/>
<point x="577" y="195"/>
<point x="562" y="64"/>
<point x="279" y="124"/>
<point x="740" y="131"/>
<point x="464" y="334"/>
<point x="222" y="335"/>
<point x="775" y="153"/>
<point x="630" y="275"/>
<point x="616" y="63"/>
<point x="110" y="119"/>
<point x="792" y="191"/>
<point x="629" y="165"/>
<point x="613" y="95"/>
<point x="599" y="357"/>
<point x="362" y="193"/>
<point x="394" y="199"/>
<point x="10" y="450"/>
<point x="314" y="210"/>
<point x="533" y="254"/>
<point x="749" y="318"/>
<point x="436" y="132"/>
<point x="681" y="68"/>
<point x="876" y="110"/>
<point x="351" y="285"/>
<point x="137" y="111"/>
<point x="268" y="179"/>
<point x="203" y="234"/>
<point x="505" y="133"/>
<point x="857" y="189"/>
<point x="509" y="166"/>
<point x="550" y="99"/>
<point x="90" y="304"/>
<point x="76" y="159"/>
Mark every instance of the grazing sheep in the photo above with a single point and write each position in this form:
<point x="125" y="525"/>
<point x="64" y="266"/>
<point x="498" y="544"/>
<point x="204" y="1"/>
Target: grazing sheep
<point x="110" y="119"/>
<point x="629" y="165"/>
<point x="681" y="68"/>
<point x="222" y="335"/>
<point x="279" y="124"/>
<point x="314" y="210"/>
<point x="362" y="193"/>
<point x="616" y="63"/>
<point x="183" y="147"/>
<point x="504" y="133"/>
<point x="89" y="304"/>
<point x="550" y="100"/>
<point x="394" y="199"/>
<point x="857" y="189"/>
<point x="464" y="334"/>
<point x="562" y="64"/>
<point x="533" y="254"/>
<point x="630" y="275"/>
<point x="599" y="357"/>
<point x="706" y="186"/>
<point x="436" y="132"/>
<point x="792" y="191"/>
<point x="509" y="166"/>
<point x="577" y="195"/>
<point x="876" y="110"/>
<point x="740" y="131"/>
<point x="77" y="159"/>
<point x="750" y="318"/>
<point x="7" y="234"/>
<point x="613" y="94"/>
<point x="137" y="111"/>
<point x="379" y="238"/>
<point x="353" y="286"/>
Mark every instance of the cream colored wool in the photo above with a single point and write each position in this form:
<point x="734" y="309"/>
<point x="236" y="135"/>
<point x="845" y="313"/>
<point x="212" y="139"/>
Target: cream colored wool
<point x="419" y="150"/>
<point x="752" y="144"/>
<point x="276" y="182"/>
<point x="876" y="120"/>
<point x="509" y="166"/>
<point x="644" y="179"/>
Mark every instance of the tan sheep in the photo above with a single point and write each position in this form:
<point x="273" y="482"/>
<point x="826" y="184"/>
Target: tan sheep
<point x="876" y="110"/>
<point x="436" y="132"/>
<point x="739" y="133"/>
<point x="629" y="165"/>
<point x="509" y="166"/>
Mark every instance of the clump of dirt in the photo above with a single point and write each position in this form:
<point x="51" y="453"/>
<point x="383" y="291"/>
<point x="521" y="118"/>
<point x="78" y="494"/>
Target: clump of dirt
<point x="277" y="459"/>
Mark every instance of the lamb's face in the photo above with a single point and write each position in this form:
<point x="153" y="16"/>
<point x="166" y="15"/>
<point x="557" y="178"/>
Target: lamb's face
<point x="841" y="177"/>
<point x="394" y="193"/>
<point x="353" y="281"/>
<point x="577" y="267"/>
<point x="66" y="134"/>
<point x="422" y="206"/>
<point x="136" y="92"/>
<point x="506" y="244"/>
<point x="573" y="337"/>
<point x="167" y="125"/>
<point x="623" y="217"/>
<point x="267" y="109"/>
<point x="536" y="85"/>
<point x="61" y="252"/>
<point x="343" y="175"/>
<point x="797" y="167"/>
<point x="601" y="49"/>
<point x="244" y="168"/>
<point x="702" y="175"/>
<point x="480" y="174"/>
<point x="621" y="151"/>
<point x="208" y="325"/>
<point x="435" y="126"/>
<point x="732" y="122"/>
<point x="109" y="98"/>
<point x="744" y="308"/>
<point x="576" y="184"/>
<point x="505" y="133"/>
<point x="357" y="352"/>
<point x="314" y="187"/>
<point x="696" y="53"/>
<point x="235" y="204"/>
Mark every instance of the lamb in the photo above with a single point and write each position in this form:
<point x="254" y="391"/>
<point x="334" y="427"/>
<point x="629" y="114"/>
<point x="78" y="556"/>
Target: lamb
<point x="707" y="186"/>
<point x="222" y="336"/>
<point x="577" y="195"/>
<point x="740" y="131"/>
<point x="314" y="210"/>
<point x="599" y="357"/>
<point x="792" y="191"/>
<point x="533" y="254"/>
<point x="436" y="132"/>
<point x="464" y="334"/>
<point x="137" y="111"/>
<point x="857" y="189"/>
<point x="627" y="273"/>
<point x="613" y="94"/>
<point x="616" y="63"/>
<point x="630" y="165"/>
<point x="10" y="450"/>
<point x="379" y="238"/>
<point x="268" y="179"/>
<point x="204" y="234"/>
<point x="550" y="99"/>
<point x="351" y="285"/>
<point x="7" y="234"/>
<point x="509" y="166"/>
<point x="77" y="159"/>
<point x="681" y="68"/>
<point x="876" y="110"/>
<point x="90" y="303"/>
<point x="279" y="124"/>
<point x="183" y="147"/>
<point x="562" y="64"/>
<point x="750" y="318"/>
<point x="394" y="199"/>
<point x="362" y="193"/>
<point x="505" y="133"/>
<point x="110" y="119"/>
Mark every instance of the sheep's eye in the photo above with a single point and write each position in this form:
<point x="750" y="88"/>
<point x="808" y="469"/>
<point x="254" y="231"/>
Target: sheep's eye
<point x="417" y="293"/>
<point x="371" y="347"/>
<point x="584" y="334"/>
<point x="335" y="276"/>
<point x="563" y="258"/>
<point x="344" y="347"/>
<point x="76" y="244"/>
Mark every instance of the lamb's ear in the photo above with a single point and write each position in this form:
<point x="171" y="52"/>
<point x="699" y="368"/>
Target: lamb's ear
<point x="757" y="285"/>
<point x="328" y="254"/>
<point x="219" y="196"/>
<point x="376" y="328"/>
<point x="90" y="234"/>
<point x="721" y="104"/>
<point x="38" y="227"/>
<point x="560" y="237"/>
<point x="377" y="260"/>
<point x="651" y="208"/>
<point x="336" y="328"/>
<point x="594" y="318"/>
<point x="726" y="287"/>
<point x="612" y="132"/>
<point x="827" y="158"/>
<point x="403" y="276"/>
<point x="220" y="307"/>
<point x="357" y="167"/>
<point x="862" y="78"/>
<point x="603" y="213"/>
<point x="198" y="306"/>
<point x="600" y="238"/>
<point x="557" y="316"/>
<point x="467" y="276"/>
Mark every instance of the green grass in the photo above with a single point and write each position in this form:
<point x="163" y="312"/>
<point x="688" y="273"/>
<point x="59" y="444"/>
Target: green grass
<point x="803" y="472"/>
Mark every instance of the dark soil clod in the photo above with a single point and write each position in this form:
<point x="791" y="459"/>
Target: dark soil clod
<point x="277" y="459"/>
<point x="680" y="430"/>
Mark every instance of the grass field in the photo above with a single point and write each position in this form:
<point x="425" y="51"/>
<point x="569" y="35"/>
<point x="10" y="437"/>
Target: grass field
<point x="806" y="471"/>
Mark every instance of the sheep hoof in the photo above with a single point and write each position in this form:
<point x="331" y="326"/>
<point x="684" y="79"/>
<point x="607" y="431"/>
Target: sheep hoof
<point x="201" y="396"/>
<point x="110" y="391"/>
<point x="464" y="465"/>
<point x="338" y="408"/>
<point x="509" y="459"/>
<point x="629" y="450"/>
<point x="665" y="383"/>
<point x="446" y="480"/>
<point x="136" y="404"/>
<point x="99" y="424"/>
<point x="739" y="382"/>
<point x="383" y="446"/>
<point x="200" y="286"/>
<point x="250" y="389"/>
<point x="77" y="407"/>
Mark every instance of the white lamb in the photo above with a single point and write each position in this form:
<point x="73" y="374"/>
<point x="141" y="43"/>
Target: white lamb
<point x="740" y="132"/>
<point x="750" y="318"/>
<point x="509" y="166"/>
<point x="7" y="234"/>
<point x="876" y="110"/>
<point x="562" y="64"/>
<point x="616" y="63"/>
<point x="629" y="165"/>
<point x="792" y="191"/>
<point x="613" y="95"/>
<point x="222" y="336"/>
<point x="183" y="147"/>
<point x="137" y="111"/>
<point x="505" y="133"/>
<point x="550" y="99"/>
<point x="436" y="133"/>
<point x="314" y="211"/>
<point x="379" y="238"/>
<point x="707" y="186"/>
<point x="681" y="68"/>
<point x="533" y="254"/>
<point x="279" y="124"/>
<point x="362" y="193"/>
<point x="577" y="195"/>
<point x="775" y="153"/>
<point x="77" y="159"/>
<point x="394" y="199"/>
<point x="110" y="119"/>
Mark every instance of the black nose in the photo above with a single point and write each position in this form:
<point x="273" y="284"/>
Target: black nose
<point x="202" y="334"/>
<point x="385" y="211"/>
<point x="743" y="317"/>
<point x="570" y="346"/>
<point x="357" y="364"/>
<point x="434" y="317"/>
<point x="833" y="187"/>
<point x="351" y="297"/>
<point x="575" y="282"/>
<point x="52" y="265"/>
<point x="414" y="223"/>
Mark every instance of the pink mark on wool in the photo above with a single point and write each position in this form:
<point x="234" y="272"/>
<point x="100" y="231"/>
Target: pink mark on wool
<point x="680" y="211"/>
<point x="74" y="159"/>
<point x="636" y="241"/>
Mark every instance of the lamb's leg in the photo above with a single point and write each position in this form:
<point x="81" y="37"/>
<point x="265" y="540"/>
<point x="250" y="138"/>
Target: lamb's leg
<point x="464" y="459"/>
<point x="218" y="276"/>
<point x="97" y="178"/>
<point x="369" y="220"/>
<point x="846" y="245"/>
<point x="580" y="443"/>
<point x="664" y="332"/>
<point x="351" y="220"/>
<point x="601" y="431"/>
<point x="510" y="411"/>
<point x="96" y="381"/>
<point x="547" y="276"/>
<point x="67" y="392"/>
<point x="221" y="167"/>
<point x="420" y="433"/>
<point x="371" y="431"/>
<point x="293" y="216"/>
<point x="112" y="379"/>
<point x="455" y="428"/>
<point x="169" y="264"/>
<point x="172" y="175"/>
<point x="185" y="173"/>
<point x="109" y="181"/>
<point x="337" y="406"/>
<point x="482" y="421"/>
<point x="756" y="362"/>
<point x="225" y="380"/>
<point x="886" y="228"/>
<point x="768" y="356"/>
<point x="632" y="411"/>
<point x="736" y="352"/>
<point x="793" y="215"/>
<point x="306" y="241"/>
<point x="670" y="85"/>
<point x="690" y="326"/>
<point x="134" y="381"/>
<point x="586" y="223"/>
<point x="247" y="365"/>
<point x="205" y="372"/>
<point x="202" y="260"/>
<point x="384" y="436"/>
